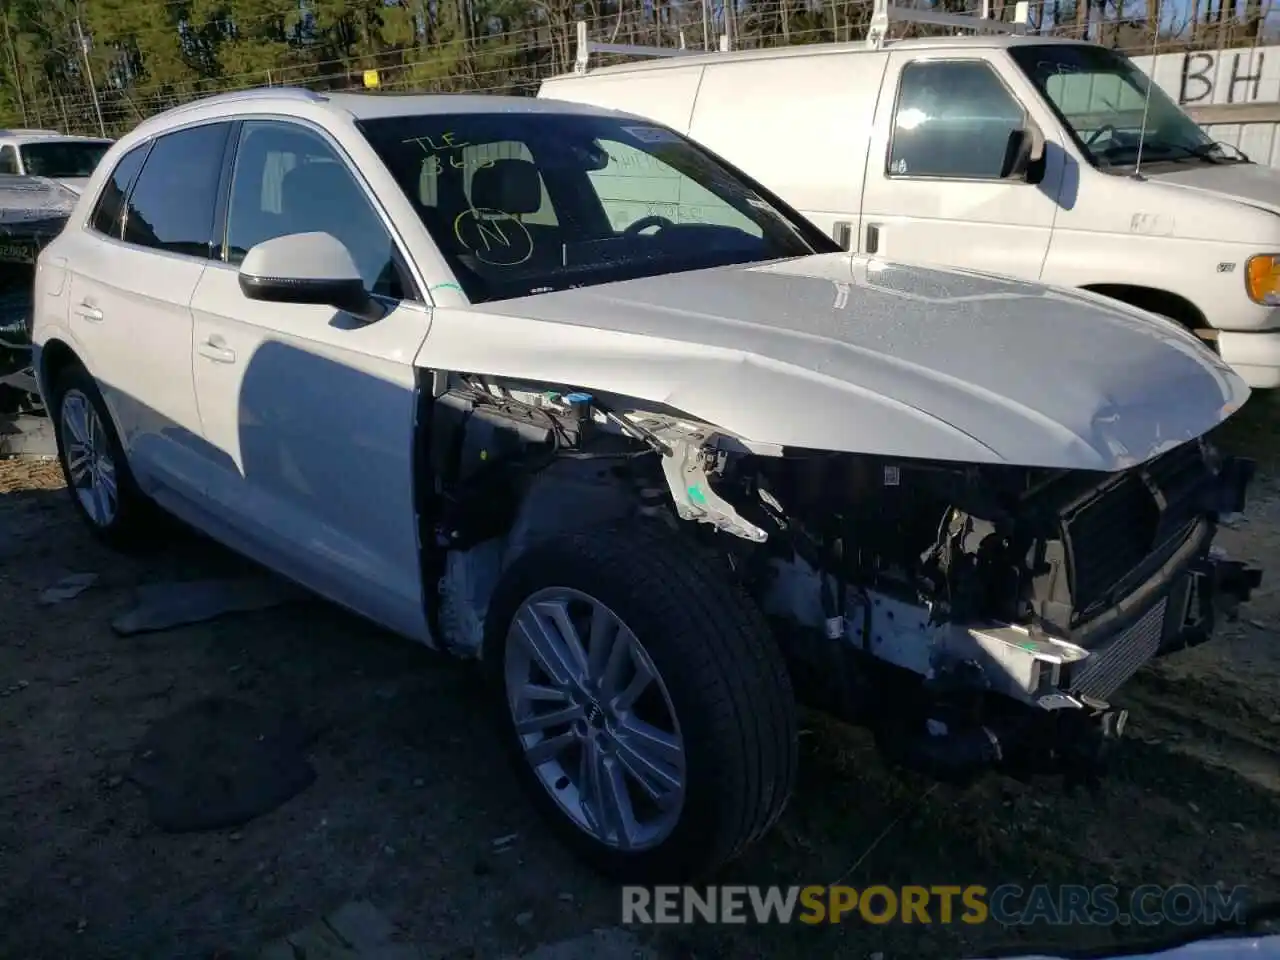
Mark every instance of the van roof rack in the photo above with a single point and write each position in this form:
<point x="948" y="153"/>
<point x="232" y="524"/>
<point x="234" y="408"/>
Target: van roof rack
<point x="883" y="15"/>
<point x="587" y="46"/>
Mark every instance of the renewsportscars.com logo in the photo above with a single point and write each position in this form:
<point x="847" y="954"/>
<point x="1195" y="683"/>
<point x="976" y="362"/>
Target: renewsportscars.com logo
<point x="1007" y="905"/>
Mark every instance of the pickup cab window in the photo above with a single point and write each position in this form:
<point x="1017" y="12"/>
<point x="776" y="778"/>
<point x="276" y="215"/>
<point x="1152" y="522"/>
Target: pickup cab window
<point x="1101" y="98"/>
<point x="525" y="203"/>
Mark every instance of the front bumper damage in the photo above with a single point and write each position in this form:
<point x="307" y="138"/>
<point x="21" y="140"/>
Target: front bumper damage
<point x="1054" y="712"/>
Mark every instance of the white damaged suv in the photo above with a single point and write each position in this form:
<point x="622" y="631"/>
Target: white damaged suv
<point x="554" y="388"/>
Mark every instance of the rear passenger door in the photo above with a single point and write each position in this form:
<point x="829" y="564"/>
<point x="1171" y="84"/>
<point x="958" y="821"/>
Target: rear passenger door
<point x="134" y="268"/>
<point x="308" y="413"/>
<point x="933" y="191"/>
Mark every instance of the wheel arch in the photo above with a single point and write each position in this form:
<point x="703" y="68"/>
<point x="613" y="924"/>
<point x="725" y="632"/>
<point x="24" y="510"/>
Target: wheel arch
<point x="55" y="356"/>
<point x="1172" y="305"/>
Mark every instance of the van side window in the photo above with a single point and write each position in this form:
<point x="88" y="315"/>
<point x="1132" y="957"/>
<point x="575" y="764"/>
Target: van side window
<point x="8" y="160"/>
<point x="953" y="119"/>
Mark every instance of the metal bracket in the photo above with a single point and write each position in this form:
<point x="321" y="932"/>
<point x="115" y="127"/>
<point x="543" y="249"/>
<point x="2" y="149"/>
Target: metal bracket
<point x="686" y="474"/>
<point x="587" y="46"/>
<point x="884" y="13"/>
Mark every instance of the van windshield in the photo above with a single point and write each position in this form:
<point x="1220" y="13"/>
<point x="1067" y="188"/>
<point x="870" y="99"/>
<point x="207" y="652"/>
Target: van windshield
<point x="529" y="202"/>
<point x="1101" y="95"/>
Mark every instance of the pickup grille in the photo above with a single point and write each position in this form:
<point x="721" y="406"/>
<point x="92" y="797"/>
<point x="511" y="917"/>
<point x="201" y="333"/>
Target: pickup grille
<point x="1123" y="533"/>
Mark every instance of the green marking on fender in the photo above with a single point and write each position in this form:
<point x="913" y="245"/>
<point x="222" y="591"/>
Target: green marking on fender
<point x="697" y="496"/>
<point x="445" y="286"/>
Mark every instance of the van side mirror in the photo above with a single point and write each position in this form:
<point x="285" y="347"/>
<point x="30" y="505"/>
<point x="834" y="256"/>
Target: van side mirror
<point x="1023" y="154"/>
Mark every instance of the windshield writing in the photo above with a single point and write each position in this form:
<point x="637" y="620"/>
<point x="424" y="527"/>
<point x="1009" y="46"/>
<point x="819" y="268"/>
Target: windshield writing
<point x="62" y="158"/>
<point x="525" y="203"/>
<point x="1101" y="96"/>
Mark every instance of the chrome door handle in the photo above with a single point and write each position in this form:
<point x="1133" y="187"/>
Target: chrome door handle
<point x="213" y="349"/>
<point x="89" y="312"/>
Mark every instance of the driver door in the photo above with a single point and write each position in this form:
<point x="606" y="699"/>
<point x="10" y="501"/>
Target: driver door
<point x="933" y="192"/>
<point x="310" y="412"/>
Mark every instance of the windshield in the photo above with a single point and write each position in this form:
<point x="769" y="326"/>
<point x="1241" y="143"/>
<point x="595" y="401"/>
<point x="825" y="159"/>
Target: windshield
<point x="63" y="158"/>
<point x="1100" y="96"/>
<point x="529" y="202"/>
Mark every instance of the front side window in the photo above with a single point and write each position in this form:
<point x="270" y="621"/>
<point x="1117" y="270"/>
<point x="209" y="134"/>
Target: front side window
<point x="64" y="159"/>
<point x="288" y="179"/>
<point x="525" y="203"/>
<point x="8" y="160"/>
<point x="171" y="207"/>
<point x="954" y="119"/>
<point x="1101" y="97"/>
<point x="108" y="214"/>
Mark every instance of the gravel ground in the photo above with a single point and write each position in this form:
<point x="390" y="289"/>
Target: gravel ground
<point x="411" y="793"/>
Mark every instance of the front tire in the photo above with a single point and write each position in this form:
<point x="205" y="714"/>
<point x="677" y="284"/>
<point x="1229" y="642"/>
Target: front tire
<point x="645" y="703"/>
<point x="94" y="466"/>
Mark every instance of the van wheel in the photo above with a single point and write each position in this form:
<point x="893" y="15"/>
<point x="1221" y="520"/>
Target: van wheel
<point x="646" y="706"/>
<point x="94" y="465"/>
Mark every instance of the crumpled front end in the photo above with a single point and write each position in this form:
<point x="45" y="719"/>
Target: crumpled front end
<point x="977" y="616"/>
<point x="971" y="610"/>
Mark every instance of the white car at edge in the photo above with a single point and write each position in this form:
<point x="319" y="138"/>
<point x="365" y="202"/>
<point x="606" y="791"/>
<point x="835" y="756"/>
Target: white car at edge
<point x="552" y="387"/>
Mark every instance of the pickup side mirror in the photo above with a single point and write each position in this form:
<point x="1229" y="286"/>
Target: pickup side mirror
<point x="310" y="268"/>
<point x="1023" y="154"/>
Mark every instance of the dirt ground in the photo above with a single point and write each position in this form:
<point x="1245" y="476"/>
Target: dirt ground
<point x="411" y="793"/>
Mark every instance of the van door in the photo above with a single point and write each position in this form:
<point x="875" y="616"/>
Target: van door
<point x="799" y="123"/>
<point x="933" y="191"/>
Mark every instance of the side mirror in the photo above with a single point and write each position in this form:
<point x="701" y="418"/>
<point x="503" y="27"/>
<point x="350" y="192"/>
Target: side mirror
<point x="1023" y="153"/>
<point x="310" y="268"/>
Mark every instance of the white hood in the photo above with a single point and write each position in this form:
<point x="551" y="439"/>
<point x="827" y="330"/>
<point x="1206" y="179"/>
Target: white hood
<point x="1251" y="183"/>
<point x="846" y="353"/>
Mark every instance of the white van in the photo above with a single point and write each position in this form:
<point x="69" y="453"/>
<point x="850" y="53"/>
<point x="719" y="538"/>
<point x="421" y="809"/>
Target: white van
<point x="1038" y="158"/>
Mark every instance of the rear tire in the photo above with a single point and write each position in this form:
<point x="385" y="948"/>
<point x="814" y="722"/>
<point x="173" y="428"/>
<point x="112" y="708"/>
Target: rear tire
<point x="712" y="734"/>
<point x="94" y="465"/>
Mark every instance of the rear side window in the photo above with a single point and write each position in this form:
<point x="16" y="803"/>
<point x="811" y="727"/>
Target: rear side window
<point x="108" y="213"/>
<point x="8" y="160"/>
<point x="172" y="205"/>
<point x="953" y="120"/>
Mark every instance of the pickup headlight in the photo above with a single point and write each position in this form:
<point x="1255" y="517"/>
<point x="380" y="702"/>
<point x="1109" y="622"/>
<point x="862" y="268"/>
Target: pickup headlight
<point x="1262" y="279"/>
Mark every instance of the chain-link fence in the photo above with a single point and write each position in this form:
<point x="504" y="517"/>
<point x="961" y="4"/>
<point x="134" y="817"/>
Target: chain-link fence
<point x="510" y="49"/>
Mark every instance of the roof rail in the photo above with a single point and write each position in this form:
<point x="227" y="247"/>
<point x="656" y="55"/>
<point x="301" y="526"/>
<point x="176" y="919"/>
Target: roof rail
<point x="587" y="46"/>
<point x="249" y="94"/>
<point x="884" y="13"/>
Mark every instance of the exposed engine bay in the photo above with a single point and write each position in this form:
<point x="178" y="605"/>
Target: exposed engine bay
<point x="972" y="616"/>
